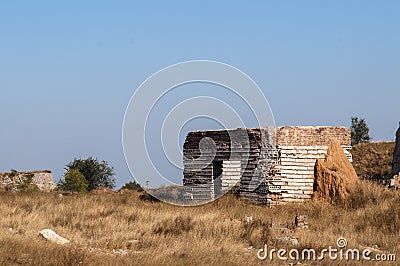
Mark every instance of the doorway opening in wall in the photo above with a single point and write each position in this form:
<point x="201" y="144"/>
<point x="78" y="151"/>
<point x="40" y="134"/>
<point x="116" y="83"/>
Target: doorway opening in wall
<point x="217" y="178"/>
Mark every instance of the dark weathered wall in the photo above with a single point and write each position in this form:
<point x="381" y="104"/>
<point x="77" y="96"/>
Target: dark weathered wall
<point x="201" y="148"/>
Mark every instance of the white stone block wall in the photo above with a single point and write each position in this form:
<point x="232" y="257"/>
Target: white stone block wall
<point x="231" y="173"/>
<point x="296" y="167"/>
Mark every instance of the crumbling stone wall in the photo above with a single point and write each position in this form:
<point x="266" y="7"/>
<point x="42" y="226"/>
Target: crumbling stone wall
<point x="43" y="179"/>
<point x="216" y="160"/>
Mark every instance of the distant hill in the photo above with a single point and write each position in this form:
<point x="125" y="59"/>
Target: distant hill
<point x="373" y="161"/>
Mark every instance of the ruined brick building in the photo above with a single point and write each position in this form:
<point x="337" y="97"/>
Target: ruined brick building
<point x="264" y="165"/>
<point x="43" y="179"/>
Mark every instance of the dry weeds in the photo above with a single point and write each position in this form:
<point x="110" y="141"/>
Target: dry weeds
<point x="121" y="229"/>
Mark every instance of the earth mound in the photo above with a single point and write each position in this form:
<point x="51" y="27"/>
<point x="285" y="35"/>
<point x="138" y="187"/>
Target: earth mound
<point x="335" y="177"/>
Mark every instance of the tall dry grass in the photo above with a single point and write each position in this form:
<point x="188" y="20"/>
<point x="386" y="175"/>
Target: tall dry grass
<point x="101" y="226"/>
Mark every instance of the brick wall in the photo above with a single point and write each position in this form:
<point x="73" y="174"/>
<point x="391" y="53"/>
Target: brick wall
<point x="312" y="136"/>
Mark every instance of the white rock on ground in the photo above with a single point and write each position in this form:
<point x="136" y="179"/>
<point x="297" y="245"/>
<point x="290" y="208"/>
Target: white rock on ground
<point x="289" y="240"/>
<point x="52" y="236"/>
<point x="248" y="219"/>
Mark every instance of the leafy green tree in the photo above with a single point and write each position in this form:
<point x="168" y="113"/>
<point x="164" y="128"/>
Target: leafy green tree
<point x="97" y="174"/>
<point x="359" y="131"/>
<point x="132" y="186"/>
<point x="73" y="180"/>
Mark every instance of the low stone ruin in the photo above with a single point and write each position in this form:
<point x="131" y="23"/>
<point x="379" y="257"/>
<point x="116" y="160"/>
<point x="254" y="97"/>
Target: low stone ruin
<point x="43" y="179"/>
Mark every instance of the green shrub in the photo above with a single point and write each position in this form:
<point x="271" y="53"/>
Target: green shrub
<point x="132" y="186"/>
<point x="97" y="174"/>
<point x="73" y="181"/>
<point x="359" y="131"/>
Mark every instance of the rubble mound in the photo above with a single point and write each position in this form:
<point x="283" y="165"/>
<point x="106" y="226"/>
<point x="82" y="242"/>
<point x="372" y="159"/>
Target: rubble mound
<point x="335" y="177"/>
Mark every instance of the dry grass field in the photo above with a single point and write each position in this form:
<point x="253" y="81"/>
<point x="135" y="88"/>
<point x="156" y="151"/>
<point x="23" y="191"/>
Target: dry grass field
<point x="121" y="229"/>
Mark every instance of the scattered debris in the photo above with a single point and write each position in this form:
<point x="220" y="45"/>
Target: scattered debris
<point x="132" y="243"/>
<point x="276" y="225"/>
<point x="289" y="240"/>
<point x="234" y="220"/>
<point x="119" y="251"/>
<point x="300" y="221"/>
<point x="93" y="250"/>
<point x="395" y="182"/>
<point x="248" y="219"/>
<point x="280" y="228"/>
<point x="116" y="252"/>
<point x="52" y="236"/>
<point x="335" y="177"/>
<point x="285" y="230"/>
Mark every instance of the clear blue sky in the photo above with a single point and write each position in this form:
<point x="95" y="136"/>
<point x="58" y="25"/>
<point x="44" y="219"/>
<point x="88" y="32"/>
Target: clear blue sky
<point x="68" y="70"/>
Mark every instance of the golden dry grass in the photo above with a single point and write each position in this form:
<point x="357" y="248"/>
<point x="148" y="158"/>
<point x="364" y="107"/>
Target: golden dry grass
<point x="212" y="234"/>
